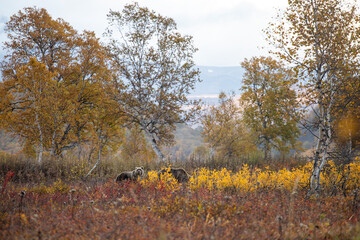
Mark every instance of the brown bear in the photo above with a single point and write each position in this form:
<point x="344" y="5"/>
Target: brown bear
<point x="179" y="174"/>
<point x="131" y="175"/>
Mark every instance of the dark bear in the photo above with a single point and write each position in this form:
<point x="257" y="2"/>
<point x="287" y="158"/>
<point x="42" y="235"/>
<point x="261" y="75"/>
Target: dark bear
<point x="131" y="175"/>
<point x="178" y="173"/>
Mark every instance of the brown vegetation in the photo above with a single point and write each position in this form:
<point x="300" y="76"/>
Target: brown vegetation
<point x="101" y="210"/>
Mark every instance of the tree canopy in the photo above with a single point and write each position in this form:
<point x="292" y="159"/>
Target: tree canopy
<point x="53" y="80"/>
<point x="319" y="38"/>
<point x="269" y="104"/>
<point x="225" y="130"/>
<point x="154" y="72"/>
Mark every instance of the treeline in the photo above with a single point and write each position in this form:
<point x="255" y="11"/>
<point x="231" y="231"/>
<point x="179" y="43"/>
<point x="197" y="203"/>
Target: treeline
<point x="64" y="90"/>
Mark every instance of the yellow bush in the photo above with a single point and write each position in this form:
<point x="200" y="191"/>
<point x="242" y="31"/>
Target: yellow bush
<point x="78" y="170"/>
<point x="201" y="179"/>
<point x="354" y="175"/>
<point x="249" y="180"/>
<point x="166" y="181"/>
<point x="59" y="187"/>
<point x="56" y="187"/>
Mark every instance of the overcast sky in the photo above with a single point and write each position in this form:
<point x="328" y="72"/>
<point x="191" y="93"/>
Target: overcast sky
<point x="224" y="31"/>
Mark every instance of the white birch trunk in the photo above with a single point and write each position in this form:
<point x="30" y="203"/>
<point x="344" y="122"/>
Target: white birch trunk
<point x="99" y="157"/>
<point x="316" y="173"/>
<point x="155" y="146"/>
<point x="157" y="150"/>
<point x="41" y="145"/>
<point x="96" y="164"/>
<point x="52" y="148"/>
<point x="324" y="141"/>
<point x="315" y="176"/>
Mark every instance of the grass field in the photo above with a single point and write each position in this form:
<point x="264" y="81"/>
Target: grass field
<point x="214" y="204"/>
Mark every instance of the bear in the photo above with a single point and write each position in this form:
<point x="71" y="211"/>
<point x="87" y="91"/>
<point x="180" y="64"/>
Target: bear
<point x="178" y="173"/>
<point x="131" y="175"/>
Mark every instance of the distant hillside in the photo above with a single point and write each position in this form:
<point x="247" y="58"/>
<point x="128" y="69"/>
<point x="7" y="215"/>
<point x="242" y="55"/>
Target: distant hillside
<point x="187" y="139"/>
<point x="217" y="79"/>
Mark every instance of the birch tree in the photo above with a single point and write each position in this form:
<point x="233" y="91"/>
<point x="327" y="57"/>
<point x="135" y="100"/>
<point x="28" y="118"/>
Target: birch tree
<point x="106" y="129"/>
<point x="32" y="98"/>
<point x="52" y="77"/>
<point x="320" y="38"/>
<point x="155" y="71"/>
<point x="269" y="104"/>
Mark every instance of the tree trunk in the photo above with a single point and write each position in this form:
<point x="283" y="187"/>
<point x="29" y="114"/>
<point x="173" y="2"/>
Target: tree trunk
<point x="41" y="145"/>
<point x="99" y="157"/>
<point x="324" y="141"/>
<point x="41" y="150"/>
<point x="52" y="148"/>
<point x="157" y="150"/>
<point x="267" y="150"/>
<point x="319" y="163"/>
<point x="90" y="154"/>
<point x="96" y="164"/>
<point x="155" y="146"/>
<point x="315" y="176"/>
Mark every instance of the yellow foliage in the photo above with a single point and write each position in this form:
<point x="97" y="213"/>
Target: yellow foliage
<point x="56" y="187"/>
<point x="247" y="179"/>
<point x="78" y="170"/>
<point x="166" y="182"/>
<point x="23" y="218"/>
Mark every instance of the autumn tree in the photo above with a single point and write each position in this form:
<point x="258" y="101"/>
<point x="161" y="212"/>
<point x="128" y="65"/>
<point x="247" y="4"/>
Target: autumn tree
<point x="24" y="105"/>
<point x="106" y="128"/>
<point x="224" y="130"/>
<point x="347" y="120"/>
<point x="200" y="153"/>
<point x="135" y="147"/>
<point x="52" y="77"/>
<point x="155" y="71"/>
<point x="320" y="39"/>
<point x="269" y="103"/>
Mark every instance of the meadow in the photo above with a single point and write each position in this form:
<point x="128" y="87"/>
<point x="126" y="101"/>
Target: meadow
<point x="249" y="203"/>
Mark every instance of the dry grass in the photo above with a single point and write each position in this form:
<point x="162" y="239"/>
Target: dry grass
<point x="135" y="211"/>
<point x="61" y="205"/>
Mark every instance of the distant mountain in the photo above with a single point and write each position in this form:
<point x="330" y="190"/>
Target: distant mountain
<point x="217" y="79"/>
